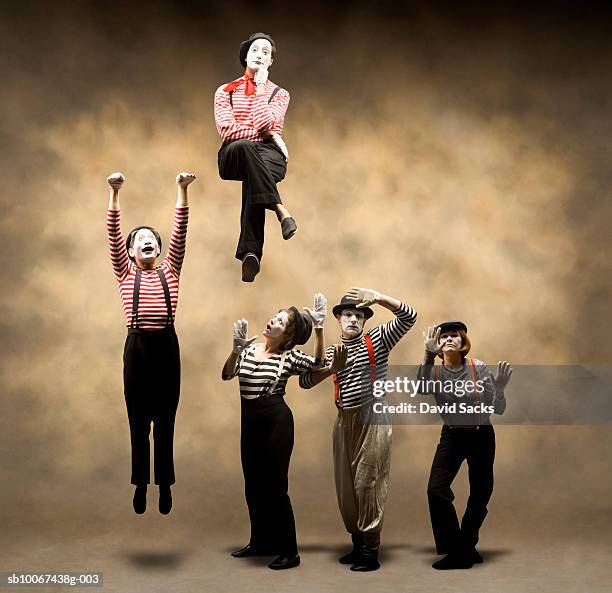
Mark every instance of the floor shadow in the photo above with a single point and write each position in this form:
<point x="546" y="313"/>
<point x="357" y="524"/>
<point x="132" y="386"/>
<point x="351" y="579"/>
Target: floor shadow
<point x="161" y="560"/>
<point x="488" y="554"/>
<point x="387" y="551"/>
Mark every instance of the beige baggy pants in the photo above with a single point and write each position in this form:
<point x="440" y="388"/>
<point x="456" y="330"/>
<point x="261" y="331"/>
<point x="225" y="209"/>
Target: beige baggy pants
<point x="362" y="460"/>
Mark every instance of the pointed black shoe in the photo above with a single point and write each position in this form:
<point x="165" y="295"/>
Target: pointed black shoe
<point x="250" y="267"/>
<point x="288" y="227"/>
<point x="140" y="499"/>
<point x="475" y="557"/>
<point x="246" y="552"/>
<point x="283" y="562"/>
<point x="453" y="561"/>
<point x="165" y="500"/>
<point x="352" y="557"/>
<point x="367" y="561"/>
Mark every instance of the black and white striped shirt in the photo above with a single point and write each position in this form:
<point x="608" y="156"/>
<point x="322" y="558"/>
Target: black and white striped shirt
<point x="256" y="377"/>
<point x="355" y="381"/>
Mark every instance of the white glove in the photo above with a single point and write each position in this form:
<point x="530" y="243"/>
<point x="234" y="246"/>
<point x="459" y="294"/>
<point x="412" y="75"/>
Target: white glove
<point x="319" y="313"/>
<point x="364" y="297"/>
<point x="240" y="340"/>
<point x="184" y="179"/>
<point x="504" y="370"/>
<point x="261" y="76"/>
<point x="278" y="140"/>
<point x="339" y="359"/>
<point x="432" y="338"/>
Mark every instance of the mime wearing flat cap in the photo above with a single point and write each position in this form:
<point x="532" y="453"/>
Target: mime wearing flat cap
<point x="250" y="114"/>
<point x="466" y="435"/>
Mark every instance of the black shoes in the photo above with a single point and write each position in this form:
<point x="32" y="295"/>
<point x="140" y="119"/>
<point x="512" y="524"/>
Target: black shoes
<point x="475" y="557"/>
<point x="455" y="561"/>
<point x="367" y="560"/>
<point x="246" y="552"/>
<point x="352" y="557"/>
<point x="250" y="267"/>
<point x="288" y="227"/>
<point x="283" y="562"/>
<point x="140" y="499"/>
<point x="165" y="499"/>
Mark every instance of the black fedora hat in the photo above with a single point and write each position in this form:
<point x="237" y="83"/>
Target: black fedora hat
<point x="452" y="325"/>
<point x="303" y="327"/>
<point x="347" y="303"/>
<point x="244" y="46"/>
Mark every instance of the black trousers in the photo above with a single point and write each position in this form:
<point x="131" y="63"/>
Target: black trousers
<point x="477" y="446"/>
<point x="260" y="167"/>
<point x="151" y="380"/>
<point x="266" y="443"/>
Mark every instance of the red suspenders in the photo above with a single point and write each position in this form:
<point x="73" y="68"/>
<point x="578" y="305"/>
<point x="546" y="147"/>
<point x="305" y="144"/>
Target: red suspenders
<point x="371" y="358"/>
<point x="471" y="363"/>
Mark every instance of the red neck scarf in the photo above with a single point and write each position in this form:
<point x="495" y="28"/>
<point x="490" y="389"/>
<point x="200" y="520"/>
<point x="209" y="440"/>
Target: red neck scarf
<point x="249" y="85"/>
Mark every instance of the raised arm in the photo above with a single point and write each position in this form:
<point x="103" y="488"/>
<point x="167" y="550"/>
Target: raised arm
<point x="425" y="372"/>
<point x="504" y="370"/>
<point x="116" y="242"/>
<point x="392" y="331"/>
<point x="240" y="343"/>
<point x="176" y="248"/>
<point x="227" y="126"/>
<point x="336" y="360"/>
<point x="318" y="315"/>
<point x="268" y="115"/>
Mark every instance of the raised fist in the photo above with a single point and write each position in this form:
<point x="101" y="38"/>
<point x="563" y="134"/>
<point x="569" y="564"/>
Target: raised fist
<point x="115" y="180"/>
<point x="184" y="179"/>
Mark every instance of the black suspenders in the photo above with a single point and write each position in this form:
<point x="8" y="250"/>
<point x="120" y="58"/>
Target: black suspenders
<point x="136" y="297"/>
<point x="164" y="282"/>
<point x="276" y="89"/>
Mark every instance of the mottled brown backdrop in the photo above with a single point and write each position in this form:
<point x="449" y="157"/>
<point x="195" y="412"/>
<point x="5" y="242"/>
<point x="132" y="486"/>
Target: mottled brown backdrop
<point x="459" y="160"/>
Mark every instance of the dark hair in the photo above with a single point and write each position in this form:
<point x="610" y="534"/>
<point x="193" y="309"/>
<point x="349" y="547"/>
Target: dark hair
<point x="466" y="345"/>
<point x="290" y="330"/>
<point x="130" y="238"/>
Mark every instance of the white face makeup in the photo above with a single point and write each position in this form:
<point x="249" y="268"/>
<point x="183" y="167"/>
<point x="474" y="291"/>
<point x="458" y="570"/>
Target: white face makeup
<point x="145" y="247"/>
<point x="351" y="322"/>
<point x="450" y="341"/>
<point x="277" y="325"/>
<point x="259" y="55"/>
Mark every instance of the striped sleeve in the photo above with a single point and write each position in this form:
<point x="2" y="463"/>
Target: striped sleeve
<point x="237" y="369"/>
<point x="393" y="331"/>
<point x="305" y="380"/>
<point x="116" y="242"/>
<point x="176" y="247"/>
<point x="301" y="363"/>
<point x="227" y="126"/>
<point x="269" y="115"/>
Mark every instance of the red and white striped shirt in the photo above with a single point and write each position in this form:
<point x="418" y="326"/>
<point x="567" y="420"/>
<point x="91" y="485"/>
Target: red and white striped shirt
<point x="152" y="310"/>
<point x="250" y="115"/>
